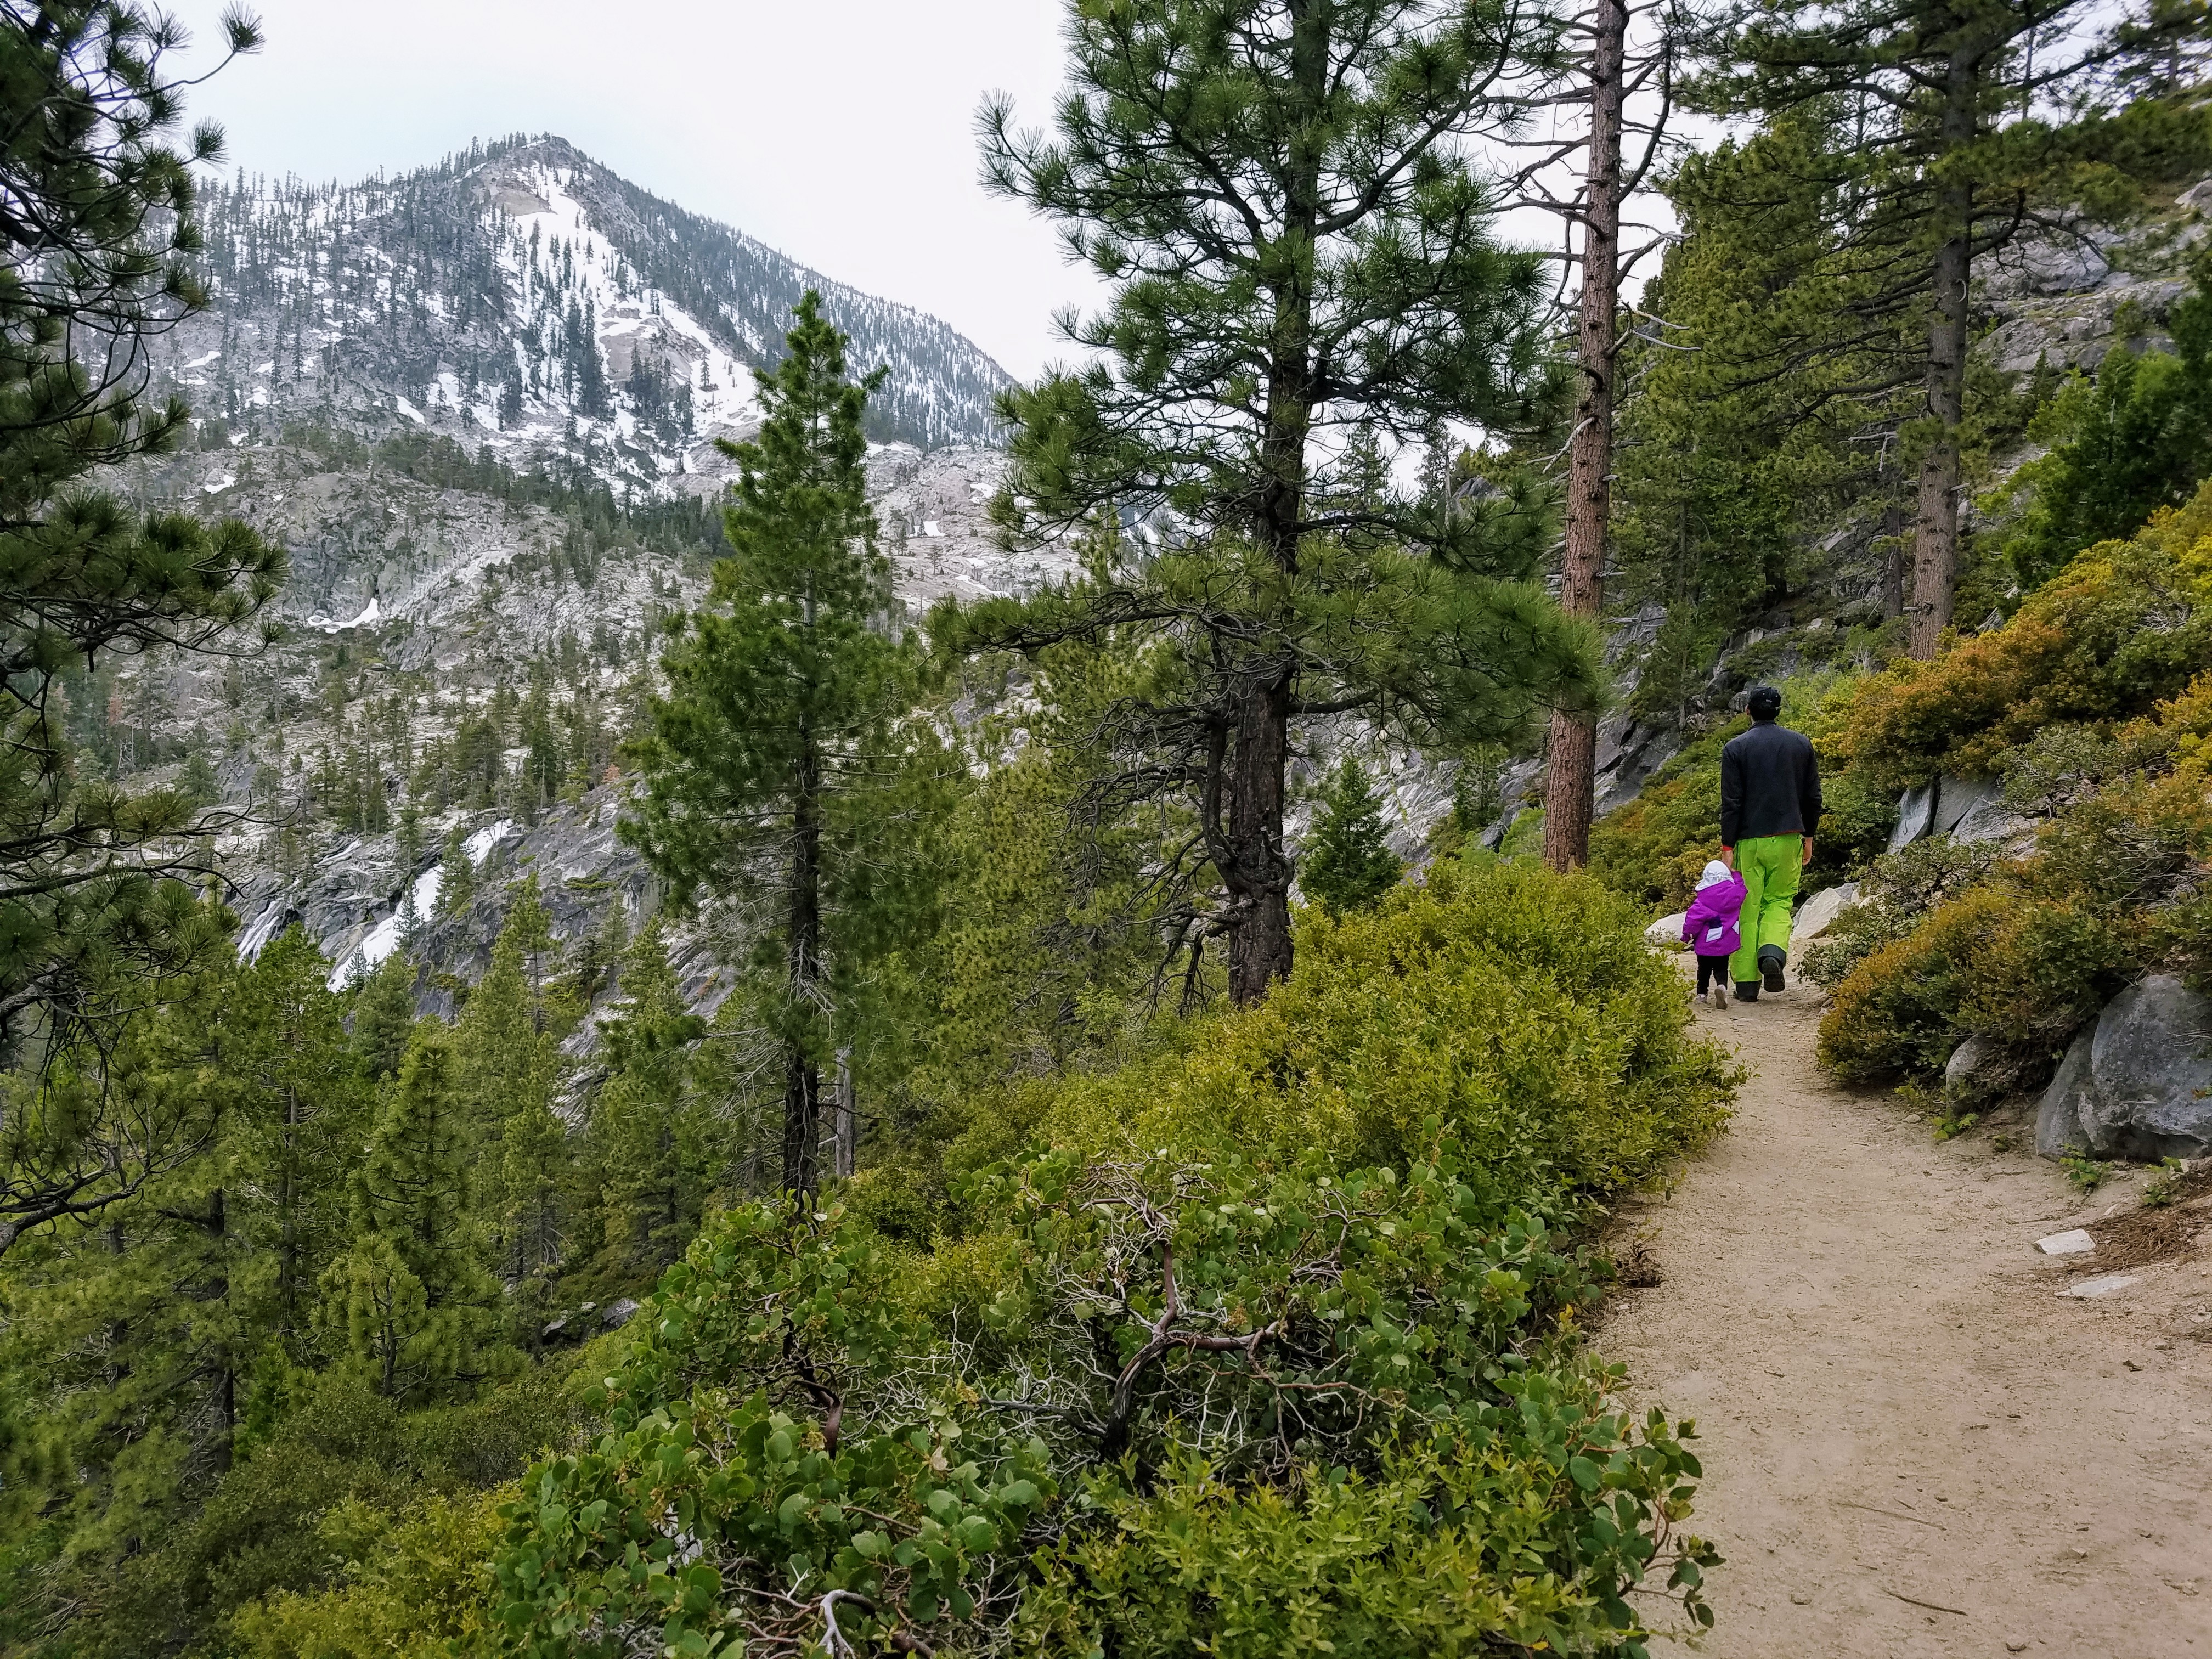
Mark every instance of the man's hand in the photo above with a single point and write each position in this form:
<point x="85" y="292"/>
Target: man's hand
<point x="1808" y="858"/>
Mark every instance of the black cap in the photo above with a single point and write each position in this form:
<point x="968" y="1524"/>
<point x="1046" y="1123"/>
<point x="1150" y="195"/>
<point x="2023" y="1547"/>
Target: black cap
<point x="1764" y="703"/>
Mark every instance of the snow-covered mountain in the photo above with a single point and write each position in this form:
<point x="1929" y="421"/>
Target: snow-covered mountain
<point x="521" y="298"/>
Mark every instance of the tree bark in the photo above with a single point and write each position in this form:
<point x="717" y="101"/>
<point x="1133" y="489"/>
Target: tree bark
<point x="1570" y="779"/>
<point x="1257" y="873"/>
<point x="802" y="1080"/>
<point x="845" y="1144"/>
<point x="1935" y="531"/>
<point x="1258" y="880"/>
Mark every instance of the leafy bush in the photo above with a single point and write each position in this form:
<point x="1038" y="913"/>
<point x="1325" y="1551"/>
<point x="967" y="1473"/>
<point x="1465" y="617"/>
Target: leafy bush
<point x="1517" y="1008"/>
<point x="1297" y="1272"/>
<point x="2122" y="627"/>
<point x="1898" y="1013"/>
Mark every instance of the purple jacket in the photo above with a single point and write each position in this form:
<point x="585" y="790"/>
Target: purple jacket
<point x="1709" y="927"/>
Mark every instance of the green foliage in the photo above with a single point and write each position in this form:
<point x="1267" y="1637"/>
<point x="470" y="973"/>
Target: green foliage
<point x="2134" y="438"/>
<point x="1348" y="865"/>
<point x="416" y="1302"/>
<point x="2084" y="1173"/>
<point x="783" y="770"/>
<point x="2121" y="628"/>
<point x="1189" y="1324"/>
<point x="96" y="258"/>
<point x="1736" y="445"/>
<point x="2162" y="1190"/>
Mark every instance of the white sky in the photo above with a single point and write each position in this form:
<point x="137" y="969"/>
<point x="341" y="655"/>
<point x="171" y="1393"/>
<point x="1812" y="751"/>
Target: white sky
<point x="839" y="131"/>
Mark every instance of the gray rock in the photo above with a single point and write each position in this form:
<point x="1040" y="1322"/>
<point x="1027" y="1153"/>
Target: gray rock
<point x="1666" y="933"/>
<point x="2059" y="1120"/>
<point x="1992" y="820"/>
<point x="1818" y="913"/>
<point x="619" y="1312"/>
<point x="1959" y="798"/>
<point x="2138" y="1084"/>
<point x="1968" y="1059"/>
<point x="1915" y="812"/>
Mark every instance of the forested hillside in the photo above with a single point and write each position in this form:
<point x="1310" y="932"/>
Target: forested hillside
<point x="658" y="994"/>
<point x="522" y="297"/>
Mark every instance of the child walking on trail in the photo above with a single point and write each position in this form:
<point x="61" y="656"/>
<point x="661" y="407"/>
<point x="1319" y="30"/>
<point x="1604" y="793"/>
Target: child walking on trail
<point x="1709" y="928"/>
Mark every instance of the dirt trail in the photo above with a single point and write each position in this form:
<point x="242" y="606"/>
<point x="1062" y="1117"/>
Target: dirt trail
<point x="1895" y="1401"/>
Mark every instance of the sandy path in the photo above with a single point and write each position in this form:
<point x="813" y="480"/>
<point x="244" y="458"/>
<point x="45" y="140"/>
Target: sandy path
<point x="1895" y="1401"/>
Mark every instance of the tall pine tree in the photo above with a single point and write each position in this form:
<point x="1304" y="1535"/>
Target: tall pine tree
<point x="1966" y="123"/>
<point x="779" y="771"/>
<point x="1301" y="257"/>
<point x="414" y="1296"/>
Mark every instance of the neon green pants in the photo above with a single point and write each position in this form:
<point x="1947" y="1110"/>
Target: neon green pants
<point x="1770" y="865"/>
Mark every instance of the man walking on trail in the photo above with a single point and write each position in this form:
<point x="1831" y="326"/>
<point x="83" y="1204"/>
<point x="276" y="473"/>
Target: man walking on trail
<point x="1770" y="803"/>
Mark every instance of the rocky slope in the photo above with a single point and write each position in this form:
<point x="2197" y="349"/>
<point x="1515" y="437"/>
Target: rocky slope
<point x="525" y="299"/>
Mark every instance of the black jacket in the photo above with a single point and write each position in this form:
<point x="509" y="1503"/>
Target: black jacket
<point x="1769" y="785"/>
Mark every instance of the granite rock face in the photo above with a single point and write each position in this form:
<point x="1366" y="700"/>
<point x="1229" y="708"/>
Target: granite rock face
<point x="2138" y="1084"/>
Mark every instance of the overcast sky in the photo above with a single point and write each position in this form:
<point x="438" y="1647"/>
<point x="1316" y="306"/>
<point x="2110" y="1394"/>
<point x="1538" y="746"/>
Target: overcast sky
<point x="839" y="131"/>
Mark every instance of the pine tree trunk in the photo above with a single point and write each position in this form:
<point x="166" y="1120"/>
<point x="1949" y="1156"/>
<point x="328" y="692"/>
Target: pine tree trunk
<point x="1936" y="531"/>
<point x="1258" y="871"/>
<point x="846" y="1145"/>
<point x="802" y="1082"/>
<point x="1569" y="780"/>
<point x="1259" y="888"/>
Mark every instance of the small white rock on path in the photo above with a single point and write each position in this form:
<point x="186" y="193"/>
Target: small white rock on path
<point x="1897" y="1407"/>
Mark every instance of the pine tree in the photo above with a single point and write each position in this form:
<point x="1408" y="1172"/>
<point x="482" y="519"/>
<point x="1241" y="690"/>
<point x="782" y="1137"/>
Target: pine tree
<point x="1349" y="864"/>
<point x="508" y="1065"/>
<point x="457" y="877"/>
<point x="383" y="1018"/>
<point x="1738" y="440"/>
<point x="98" y="247"/>
<point x="653" y="1181"/>
<point x="301" y="1116"/>
<point x="414" y="1294"/>
<point x="773" y="768"/>
<point x="1282" y="195"/>
<point x="1968" y="126"/>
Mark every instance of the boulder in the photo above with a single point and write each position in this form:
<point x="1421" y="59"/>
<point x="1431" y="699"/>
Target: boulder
<point x="1992" y="820"/>
<point x="2138" y="1084"/>
<point x="1968" y="1059"/>
<point x="2059" y="1120"/>
<point x="1971" y="809"/>
<point x="619" y="1312"/>
<point x="1666" y="933"/>
<point x="1914" y="813"/>
<point x="1959" y="798"/>
<point x="1817" y="913"/>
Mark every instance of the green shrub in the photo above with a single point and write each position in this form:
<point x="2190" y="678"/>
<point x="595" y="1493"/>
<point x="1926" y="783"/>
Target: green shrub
<point x="1516" y="1007"/>
<point x="1298" y="1271"/>
<point x="2022" y="972"/>
<point x="1897" y="1013"/>
<point x="2122" y="627"/>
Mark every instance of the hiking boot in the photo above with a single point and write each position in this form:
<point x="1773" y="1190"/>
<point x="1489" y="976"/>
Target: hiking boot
<point x="1746" y="990"/>
<point x="1770" y="962"/>
<point x="1720" y="995"/>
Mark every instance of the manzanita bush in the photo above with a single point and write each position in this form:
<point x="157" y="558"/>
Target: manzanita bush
<point x="1184" y="1403"/>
